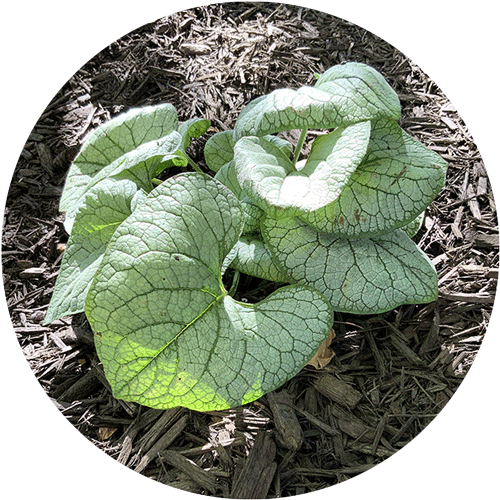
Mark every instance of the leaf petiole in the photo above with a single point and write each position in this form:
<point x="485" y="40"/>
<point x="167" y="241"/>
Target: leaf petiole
<point x="193" y="164"/>
<point x="298" y="148"/>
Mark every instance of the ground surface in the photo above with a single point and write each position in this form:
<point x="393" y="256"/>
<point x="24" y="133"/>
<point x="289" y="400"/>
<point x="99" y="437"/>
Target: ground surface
<point x="391" y="373"/>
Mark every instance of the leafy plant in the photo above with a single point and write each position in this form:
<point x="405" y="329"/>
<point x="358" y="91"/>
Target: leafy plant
<point x="145" y="258"/>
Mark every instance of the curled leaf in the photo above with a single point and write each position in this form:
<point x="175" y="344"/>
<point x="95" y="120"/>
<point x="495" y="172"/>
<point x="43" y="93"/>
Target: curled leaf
<point x="113" y="139"/>
<point x="140" y="165"/>
<point x="345" y="94"/>
<point x="397" y="179"/>
<point x="269" y="177"/>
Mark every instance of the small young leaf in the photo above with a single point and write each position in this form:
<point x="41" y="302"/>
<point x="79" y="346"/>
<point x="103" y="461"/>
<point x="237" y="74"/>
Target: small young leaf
<point x="413" y="227"/>
<point x="396" y="181"/>
<point x="359" y="276"/>
<point x="253" y="214"/>
<point x="113" y="139"/>
<point x="219" y="150"/>
<point x="192" y="129"/>
<point x="169" y="335"/>
<point x="254" y="258"/>
<point x="227" y="176"/>
<point x="345" y="94"/>
<point x="269" y="177"/>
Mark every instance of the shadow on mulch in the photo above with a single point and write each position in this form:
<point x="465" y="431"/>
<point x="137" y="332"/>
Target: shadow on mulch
<point x="391" y="373"/>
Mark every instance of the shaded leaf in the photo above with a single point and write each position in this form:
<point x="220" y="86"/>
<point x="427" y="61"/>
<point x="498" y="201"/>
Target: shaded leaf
<point x="113" y="139"/>
<point x="105" y="206"/>
<point x="251" y="256"/>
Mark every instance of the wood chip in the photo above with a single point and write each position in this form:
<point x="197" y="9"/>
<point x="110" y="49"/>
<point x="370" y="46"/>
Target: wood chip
<point x="486" y="240"/>
<point x="471" y="298"/>
<point x="338" y="390"/>
<point x="285" y="420"/>
<point x="205" y="479"/>
<point x="32" y="272"/>
<point x="449" y="123"/>
<point x="164" y="442"/>
<point x="258" y="470"/>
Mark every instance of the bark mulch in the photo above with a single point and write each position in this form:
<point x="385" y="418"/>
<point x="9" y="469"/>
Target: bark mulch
<point x="391" y="373"/>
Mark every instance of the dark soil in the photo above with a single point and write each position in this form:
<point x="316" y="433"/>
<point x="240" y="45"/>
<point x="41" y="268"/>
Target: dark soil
<point x="391" y="373"/>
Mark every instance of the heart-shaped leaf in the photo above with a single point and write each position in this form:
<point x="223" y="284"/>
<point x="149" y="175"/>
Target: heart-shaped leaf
<point x="113" y="139"/>
<point x="269" y="177"/>
<point x="140" y="165"/>
<point x="360" y="276"/>
<point x="343" y="95"/>
<point x="167" y="333"/>
<point x="219" y="150"/>
<point x="395" y="182"/>
<point x="104" y="207"/>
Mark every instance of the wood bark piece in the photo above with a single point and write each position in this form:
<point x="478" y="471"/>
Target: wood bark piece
<point x="406" y="351"/>
<point x="258" y="470"/>
<point x="238" y="440"/>
<point x="379" y="360"/>
<point x="164" y="421"/>
<point x="82" y="388"/>
<point x="286" y="421"/>
<point x="202" y="477"/>
<point x="337" y="390"/>
<point x="471" y="298"/>
<point x="486" y="240"/>
<point x="352" y="425"/>
<point x="164" y="442"/>
<point x="317" y="422"/>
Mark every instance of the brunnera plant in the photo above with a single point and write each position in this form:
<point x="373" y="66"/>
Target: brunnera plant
<point x="145" y="258"/>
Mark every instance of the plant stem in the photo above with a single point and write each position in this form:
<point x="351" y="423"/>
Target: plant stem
<point x="298" y="147"/>
<point x="234" y="284"/>
<point x="193" y="164"/>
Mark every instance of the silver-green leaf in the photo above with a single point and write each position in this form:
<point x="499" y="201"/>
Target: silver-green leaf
<point x="345" y="94"/>
<point x="251" y="256"/>
<point x="396" y="181"/>
<point x="140" y="165"/>
<point x="104" y="208"/>
<point x="359" y="276"/>
<point x="270" y="178"/>
<point x="167" y="332"/>
<point x="113" y="139"/>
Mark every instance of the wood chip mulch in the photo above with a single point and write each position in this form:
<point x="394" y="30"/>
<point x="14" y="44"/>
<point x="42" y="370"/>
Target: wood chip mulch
<point x="391" y="373"/>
